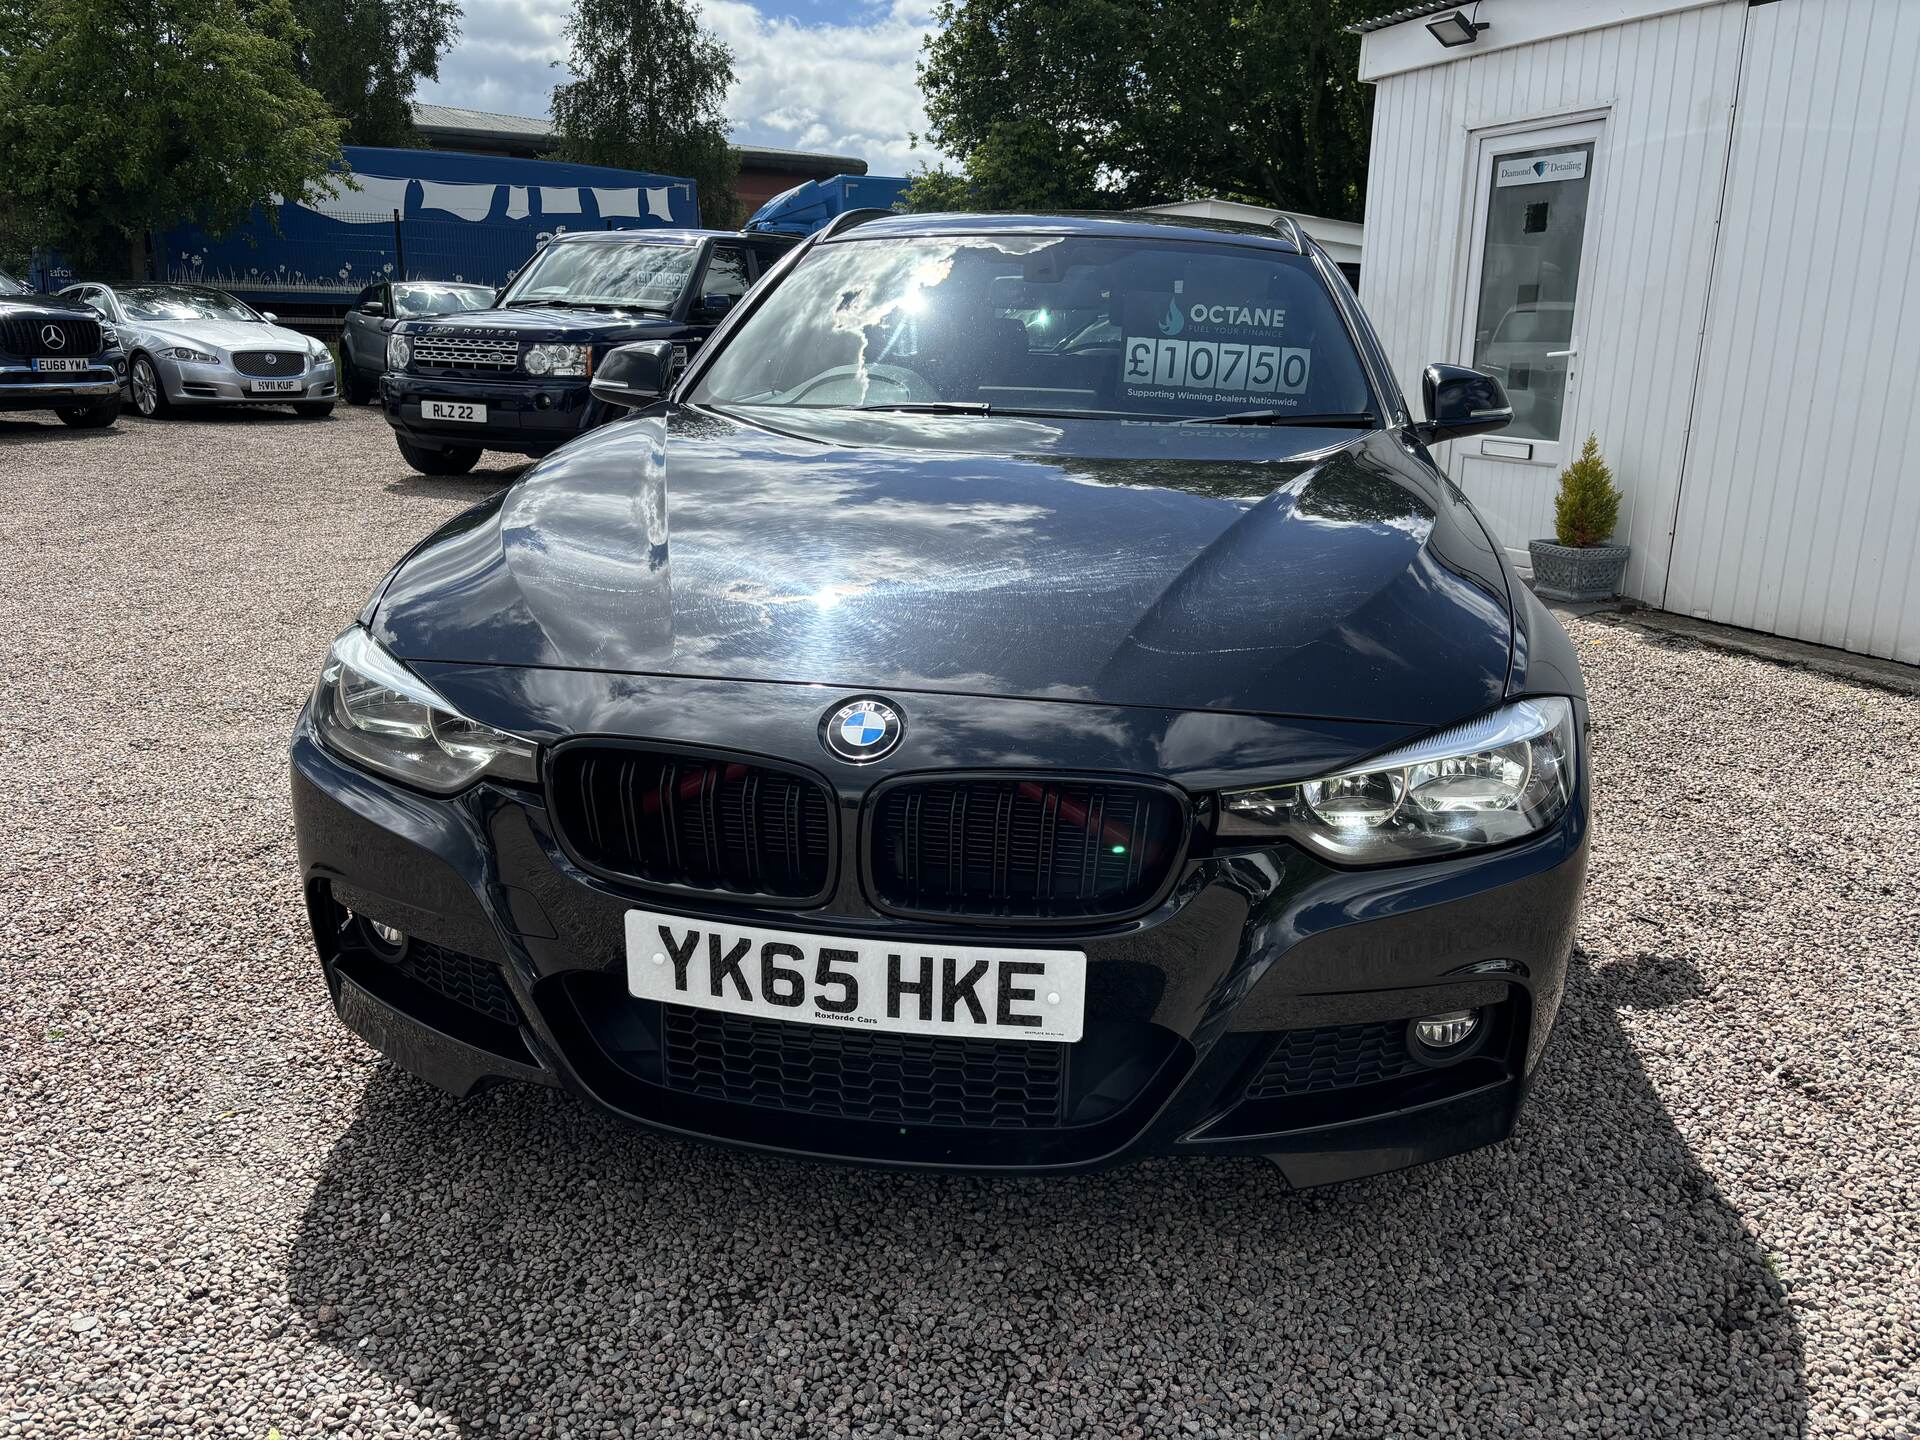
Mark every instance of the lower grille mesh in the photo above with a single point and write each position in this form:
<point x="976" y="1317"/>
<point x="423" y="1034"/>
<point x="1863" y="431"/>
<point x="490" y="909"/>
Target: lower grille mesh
<point x="900" y="1079"/>
<point x="464" y="979"/>
<point x="1334" y="1057"/>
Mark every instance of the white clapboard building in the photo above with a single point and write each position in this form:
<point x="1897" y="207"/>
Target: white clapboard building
<point x="1687" y="227"/>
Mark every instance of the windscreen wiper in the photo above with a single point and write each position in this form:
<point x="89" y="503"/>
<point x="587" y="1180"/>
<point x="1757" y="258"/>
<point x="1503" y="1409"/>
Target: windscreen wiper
<point x="587" y="305"/>
<point x="930" y="407"/>
<point x="1282" y="417"/>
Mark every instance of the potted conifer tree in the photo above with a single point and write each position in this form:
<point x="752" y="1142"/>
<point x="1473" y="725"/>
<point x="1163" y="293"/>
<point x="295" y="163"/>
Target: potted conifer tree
<point x="1581" y="562"/>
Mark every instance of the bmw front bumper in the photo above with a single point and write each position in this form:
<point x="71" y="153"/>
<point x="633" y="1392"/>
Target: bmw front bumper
<point x="1259" y="1009"/>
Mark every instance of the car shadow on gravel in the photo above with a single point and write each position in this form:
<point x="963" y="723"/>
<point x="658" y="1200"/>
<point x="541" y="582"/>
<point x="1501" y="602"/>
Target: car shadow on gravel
<point x="477" y="484"/>
<point x="37" y="432"/>
<point x="520" y="1264"/>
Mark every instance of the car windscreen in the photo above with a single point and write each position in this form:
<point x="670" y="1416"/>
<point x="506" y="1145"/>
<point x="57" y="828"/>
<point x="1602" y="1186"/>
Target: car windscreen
<point x="1060" y="323"/>
<point x="416" y="300"/>
<point x="11" y="286"/>
<point x="182" y="302"/>
<point x="620" y="273"/>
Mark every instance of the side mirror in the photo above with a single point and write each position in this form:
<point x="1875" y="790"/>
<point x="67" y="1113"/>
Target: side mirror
<point x="634" y="375"/>
<point x="269" y="317"/>
<point x="1461" y="402"/>
<point x="712" y="307"/>
<point x="372" y="307"/>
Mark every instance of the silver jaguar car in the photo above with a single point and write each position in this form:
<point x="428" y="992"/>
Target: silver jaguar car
<point x="194" y="345"/>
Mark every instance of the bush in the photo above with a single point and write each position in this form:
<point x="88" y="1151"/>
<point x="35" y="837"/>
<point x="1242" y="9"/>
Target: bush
<point x="1587" y="507"/>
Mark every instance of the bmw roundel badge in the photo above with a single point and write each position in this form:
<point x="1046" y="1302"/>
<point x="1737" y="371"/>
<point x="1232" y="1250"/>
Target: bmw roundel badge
<point x="862" y="730"/>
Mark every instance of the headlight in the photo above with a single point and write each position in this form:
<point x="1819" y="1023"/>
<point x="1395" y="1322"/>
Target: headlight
<point x="1508" y="774"/>
<point x="109" y="337"/>
<point x="317" y="351"/>
<point x="559" y="360"/>
<point x="187" y="352"/>
<point x="399" y="352"/>
<point x="373" y="710"/>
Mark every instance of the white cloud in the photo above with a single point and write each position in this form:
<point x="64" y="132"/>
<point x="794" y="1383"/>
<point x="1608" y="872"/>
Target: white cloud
<point x="849" y="86"/>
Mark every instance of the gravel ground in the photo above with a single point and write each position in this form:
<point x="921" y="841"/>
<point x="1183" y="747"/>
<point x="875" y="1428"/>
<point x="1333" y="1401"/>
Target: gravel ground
<point x="223" y="1216"/>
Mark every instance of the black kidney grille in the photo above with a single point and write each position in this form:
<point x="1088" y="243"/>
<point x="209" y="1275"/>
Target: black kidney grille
<point x="1334" y="1057"/>
<point x="858" y="1075"/>
<point x="1023" y="847"/>
<point x="23" y="335"/>
<point x="268" y="363"/>
<point x="712" y="824"/>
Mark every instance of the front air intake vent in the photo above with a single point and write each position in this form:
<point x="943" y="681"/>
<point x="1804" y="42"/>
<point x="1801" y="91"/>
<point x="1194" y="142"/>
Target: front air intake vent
<point x="1024" y="848"/>
<point x="695" y="822"/>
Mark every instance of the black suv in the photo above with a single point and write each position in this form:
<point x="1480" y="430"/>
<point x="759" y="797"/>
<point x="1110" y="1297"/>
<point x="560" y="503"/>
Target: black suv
<point x="516" y="377"/>
<point x="55" y="354"/>
<point x="377" y="310"/>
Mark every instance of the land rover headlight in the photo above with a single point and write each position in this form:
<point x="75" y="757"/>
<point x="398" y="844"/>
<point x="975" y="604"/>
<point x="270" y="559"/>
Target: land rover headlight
<point x="1508" y="774"/>
<point x="399" y="352"/>
<point x="371" y="709"/>
<point x="559" y="360"/>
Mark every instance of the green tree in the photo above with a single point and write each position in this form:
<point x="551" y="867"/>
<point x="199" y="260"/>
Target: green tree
<point x="366" y="56"/>
<point x="122" y="116"/>
<point x="1134" y="102"/>
<point x="1588" y="506"/>
<point x="646" y="95"/>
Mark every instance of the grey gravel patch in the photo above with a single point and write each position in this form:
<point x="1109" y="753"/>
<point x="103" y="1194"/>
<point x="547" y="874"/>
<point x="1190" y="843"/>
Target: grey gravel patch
<point x="1704" y="1227"/>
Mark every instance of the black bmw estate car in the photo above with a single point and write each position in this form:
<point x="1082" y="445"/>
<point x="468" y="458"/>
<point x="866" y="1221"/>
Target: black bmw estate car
<point x="1023" y="697"/>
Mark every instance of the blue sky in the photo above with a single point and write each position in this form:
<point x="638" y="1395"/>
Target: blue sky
<point x="833" y="75"/>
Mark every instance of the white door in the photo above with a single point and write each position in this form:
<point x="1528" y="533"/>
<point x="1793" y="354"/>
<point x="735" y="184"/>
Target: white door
<point x="1532" y="219"/>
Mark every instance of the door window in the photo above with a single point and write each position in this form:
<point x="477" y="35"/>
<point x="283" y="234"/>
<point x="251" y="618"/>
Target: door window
<point x="1534" y="227"/>
<point x="726" y="273"/>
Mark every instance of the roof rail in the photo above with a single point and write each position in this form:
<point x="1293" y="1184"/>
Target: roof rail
<point x="847" y="219"/>
<point x="1287" y="226"/>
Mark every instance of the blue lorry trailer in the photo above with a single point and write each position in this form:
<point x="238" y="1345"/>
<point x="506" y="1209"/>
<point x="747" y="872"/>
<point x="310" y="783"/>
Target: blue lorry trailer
<point x="805" y="208"/>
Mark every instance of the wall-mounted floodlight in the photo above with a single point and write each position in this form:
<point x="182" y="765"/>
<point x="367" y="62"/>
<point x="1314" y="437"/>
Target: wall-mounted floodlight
<point x="1455" y="29"/>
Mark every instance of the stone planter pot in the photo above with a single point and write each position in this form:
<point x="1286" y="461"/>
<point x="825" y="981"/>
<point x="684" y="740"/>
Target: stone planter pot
<point x="1566" y="572"/>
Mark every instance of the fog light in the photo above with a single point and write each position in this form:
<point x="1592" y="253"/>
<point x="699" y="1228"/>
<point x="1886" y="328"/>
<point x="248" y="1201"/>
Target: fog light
<point x="397" y="938"/>
<point x="1447" y="1029"/>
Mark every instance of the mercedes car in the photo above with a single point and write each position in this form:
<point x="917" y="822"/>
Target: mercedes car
<point x="55" y="355"/>
<point x="194" y="345"/>
<point x="1024" y="697"/>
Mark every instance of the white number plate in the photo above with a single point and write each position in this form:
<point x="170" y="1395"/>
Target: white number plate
<point x="863" y="984"/>
<point x="59" y="367"/>
<point x="275" y="387"/>
<point x="453" y="410"/>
